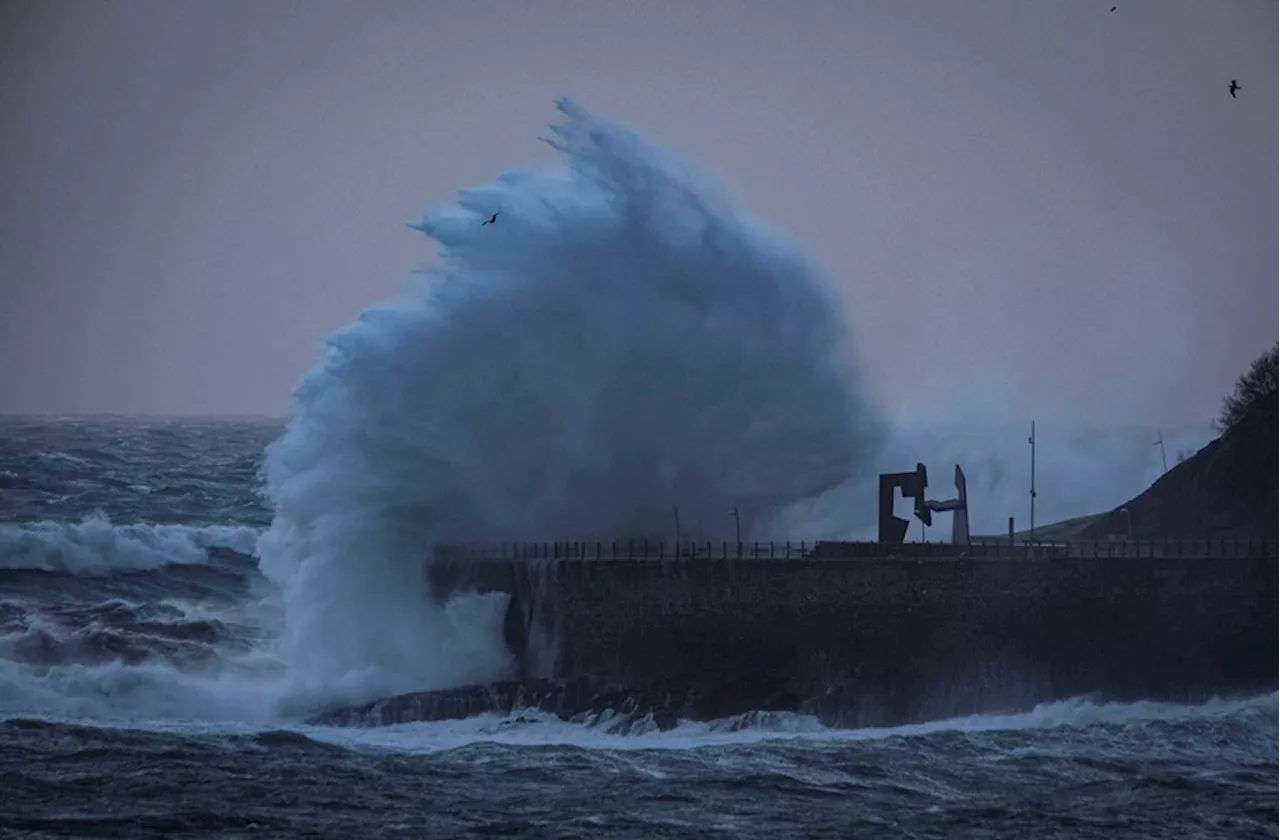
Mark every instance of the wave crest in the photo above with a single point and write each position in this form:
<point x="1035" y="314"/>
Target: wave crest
<point x="95" y="546"/>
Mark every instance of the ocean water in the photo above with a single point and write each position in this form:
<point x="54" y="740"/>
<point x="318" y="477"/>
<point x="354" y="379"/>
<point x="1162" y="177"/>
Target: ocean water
<point x="139" y="697"/>
<point x="176" y="596"/>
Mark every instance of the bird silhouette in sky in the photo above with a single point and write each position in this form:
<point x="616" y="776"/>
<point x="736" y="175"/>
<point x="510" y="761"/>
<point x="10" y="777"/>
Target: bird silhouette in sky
<point x="1234" y="87"/>
<point x="494" y="217"/>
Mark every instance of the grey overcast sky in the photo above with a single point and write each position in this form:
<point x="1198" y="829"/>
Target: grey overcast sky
<point x="1042" y="197"/>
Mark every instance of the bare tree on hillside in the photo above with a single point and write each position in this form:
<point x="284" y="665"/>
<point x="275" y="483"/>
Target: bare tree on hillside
<point x="1258" y="384"/>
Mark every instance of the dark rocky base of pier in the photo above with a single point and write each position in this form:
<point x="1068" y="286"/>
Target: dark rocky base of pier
<point x="613" y="708"/>
<point x="622" y="710"/>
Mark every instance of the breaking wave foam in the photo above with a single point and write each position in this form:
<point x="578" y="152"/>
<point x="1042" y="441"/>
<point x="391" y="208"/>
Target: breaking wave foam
<point x="95" y="546"/>
<point x="1252" y="717"/>
<point x="620" y="342"/>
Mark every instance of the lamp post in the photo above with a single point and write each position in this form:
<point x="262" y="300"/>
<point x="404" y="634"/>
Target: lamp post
<point x="1160" y="443"/>
<point x="737" y="525"/>
<point x="1032" y="440"/>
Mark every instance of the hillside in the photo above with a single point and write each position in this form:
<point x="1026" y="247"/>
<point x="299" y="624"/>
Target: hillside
<point x="1064" y="531"/>
<point x="1227" y="490"/>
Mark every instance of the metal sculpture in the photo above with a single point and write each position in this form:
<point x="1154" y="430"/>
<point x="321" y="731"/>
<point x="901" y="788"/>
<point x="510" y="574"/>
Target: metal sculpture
<point x="893" y="529"/>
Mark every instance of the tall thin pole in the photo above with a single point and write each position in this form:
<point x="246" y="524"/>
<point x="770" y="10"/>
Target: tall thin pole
<point x="737" y="526"/>
<point x="675" y="509"/>
<point x="1032" y="441"/>
<point x="1160" y="443"/>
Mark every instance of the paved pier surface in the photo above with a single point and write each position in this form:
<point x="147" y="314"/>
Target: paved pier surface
<point x="874" y="640"/>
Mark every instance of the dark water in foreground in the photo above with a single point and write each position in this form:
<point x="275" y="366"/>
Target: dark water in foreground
<point x="1166" y="772"/>
<point x="137" y="686"/>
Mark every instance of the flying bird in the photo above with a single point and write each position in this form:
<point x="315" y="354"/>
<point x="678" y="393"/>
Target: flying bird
<point x="494" y="217"/>
<point x="1113" y="8"/>
<point x="1234" y="87"/>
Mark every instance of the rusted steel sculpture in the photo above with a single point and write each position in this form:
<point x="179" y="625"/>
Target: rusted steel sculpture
<point x="893" y="529"/>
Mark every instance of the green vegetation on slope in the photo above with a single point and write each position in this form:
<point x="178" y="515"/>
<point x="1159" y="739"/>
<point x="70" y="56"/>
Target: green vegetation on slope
<point x="1253" y="387"/>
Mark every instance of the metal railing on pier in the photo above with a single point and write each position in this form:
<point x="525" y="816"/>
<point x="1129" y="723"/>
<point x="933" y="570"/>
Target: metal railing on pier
<point x="649" y="550"/>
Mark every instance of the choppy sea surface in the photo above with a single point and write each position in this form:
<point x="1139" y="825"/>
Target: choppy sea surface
<point x="138" y="689"/>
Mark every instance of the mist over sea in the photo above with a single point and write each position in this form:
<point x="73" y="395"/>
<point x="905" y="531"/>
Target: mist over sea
<point x="175" y="595"/>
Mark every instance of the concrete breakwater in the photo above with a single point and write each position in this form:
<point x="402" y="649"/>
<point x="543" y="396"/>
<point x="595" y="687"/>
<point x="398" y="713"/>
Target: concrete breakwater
<point x="873" y="640"/>
<point x="858" y="638"/>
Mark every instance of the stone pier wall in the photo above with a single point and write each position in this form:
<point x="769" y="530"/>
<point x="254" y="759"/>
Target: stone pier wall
<point x="885" y="641"/>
